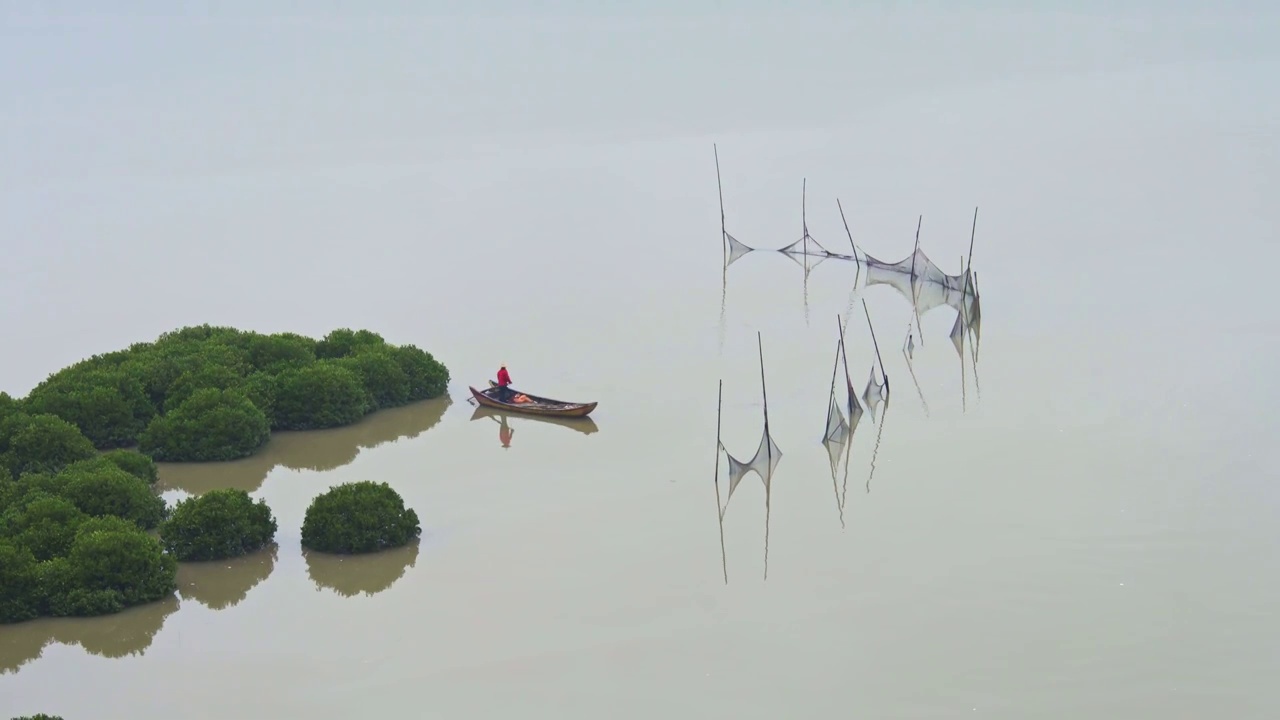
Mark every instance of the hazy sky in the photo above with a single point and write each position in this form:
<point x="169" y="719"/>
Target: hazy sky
<point x="129" y="136"/>
<point x="91" y="92"/>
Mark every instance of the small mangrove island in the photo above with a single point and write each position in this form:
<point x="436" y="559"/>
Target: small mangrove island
<point x="359" y="517"/>
<point x="82" y="529"/>
<point x="208" y="393"/>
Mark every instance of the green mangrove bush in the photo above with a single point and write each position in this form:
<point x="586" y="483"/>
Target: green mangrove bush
<point x="186" y="396"/>
<point x="41" y="443"/>
<point x="73" y="524"/>
<point x="99" y="487"/>
<point x="134" y="463"/>
<point x="358" y="517"/>
<point x="211" y="424"/>
<point x="217" y="525"/>
<point x="322" y="395"/>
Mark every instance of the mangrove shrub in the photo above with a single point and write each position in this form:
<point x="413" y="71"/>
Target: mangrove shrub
<point x="344" y="341"/>
<point x="212" y="424"/>
<point x="74" y="541"/>
<point x="19" y="593"/>
<point x="43" y="524"/>
<point x="216" y="377"/>
<point x="326" y="394"/>
<point x="109" y="405"/>
<point x="41" y="443"/>
<point x="134" y="463"/>
<point x="99" y="487"/>
<point x="385" y="382"/>
<point x="111" y="565"/>
<point x="428" y="378"/>
<point x="146" y="394"/>
<point x="358" y="517"/>
<point x="276" y="353"/>
<point x="217" y="525"/>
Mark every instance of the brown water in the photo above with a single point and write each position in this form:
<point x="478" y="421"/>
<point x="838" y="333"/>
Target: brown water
<point x="1077" y="518"/>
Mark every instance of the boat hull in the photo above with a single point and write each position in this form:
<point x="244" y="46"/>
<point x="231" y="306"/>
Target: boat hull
<point x="545" y="407"/>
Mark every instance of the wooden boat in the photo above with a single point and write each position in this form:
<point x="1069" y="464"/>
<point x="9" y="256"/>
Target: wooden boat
<point x="584" y="425"/>
<point x="536" y="405"/>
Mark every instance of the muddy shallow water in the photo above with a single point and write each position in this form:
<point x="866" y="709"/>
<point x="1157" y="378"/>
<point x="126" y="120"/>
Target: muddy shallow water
<point x="1072" y="515"/>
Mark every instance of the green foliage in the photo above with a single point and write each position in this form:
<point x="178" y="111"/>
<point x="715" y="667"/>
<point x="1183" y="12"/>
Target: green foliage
<point x="18" y="585"/>
<point x="106" y="523"/>
<point x="125" y="563"/>
<point x="322" y="395"/>
<point x="217" y="525"/>
<point x="99" y="487"/>
<point x="161" y="365"/>
<point x="43" y="524"/>
<point x="39" y="716"/>
<point x="110" y="565"/>
<point x="145" y="394"/>
<point x="428" y="378"/>
<point x="210" y="425"/>
<point x="134" y="463"/>
<point x="109" y="405"/>
<point x="343" y="342"/>
<point x="75" y="542"/>
<point x="260" y="388"/>
<point x="217" y="377"/>
<point x="8" y="406"/>
<point x="9" y="490"/>
<point x="358" y="517"/>
<point x="41" y="443"/>
<point x="386" y="383"/>
<point x="280" y="351"/>
<point x="40" y="482"/>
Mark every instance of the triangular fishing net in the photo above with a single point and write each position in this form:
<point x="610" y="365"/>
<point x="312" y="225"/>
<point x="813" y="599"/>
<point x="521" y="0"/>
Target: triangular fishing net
<point x="763" y="463"/>
<point x="874" y="394"/>
<point x="836" y="447"/>
<point x="736" y="249"/>
<point x="806" y="245"/>
<point x="807" y="261"/>
<point x="975" y="310"/>
<point x="855" y="407"/>
<point x="837" y="429"/>
<point x="920" y="281"/>
<point x="957" y="335"/>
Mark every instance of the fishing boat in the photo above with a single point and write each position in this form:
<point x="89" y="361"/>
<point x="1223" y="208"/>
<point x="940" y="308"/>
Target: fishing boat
<point x="532" y="404"/>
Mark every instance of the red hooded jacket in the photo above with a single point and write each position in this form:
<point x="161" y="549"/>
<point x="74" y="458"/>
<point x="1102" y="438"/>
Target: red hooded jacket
<point x="504" y="378"/>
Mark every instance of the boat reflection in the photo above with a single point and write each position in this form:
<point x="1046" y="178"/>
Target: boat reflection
<point x="584" y="425"/>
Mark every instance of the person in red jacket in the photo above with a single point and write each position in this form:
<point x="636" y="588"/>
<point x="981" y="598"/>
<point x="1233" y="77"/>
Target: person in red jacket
<point x="504" y="384"/>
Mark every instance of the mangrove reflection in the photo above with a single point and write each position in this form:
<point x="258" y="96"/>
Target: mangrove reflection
<point x="317" y="450"/>
<point x="368" y="573"/>
<point x="221" y="584"/>
<point x="122" y="634"/>
<point x="506" y="432"/>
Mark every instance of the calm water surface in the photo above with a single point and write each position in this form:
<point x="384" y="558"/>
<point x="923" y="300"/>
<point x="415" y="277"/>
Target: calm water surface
<point x="1073" y="516"/>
